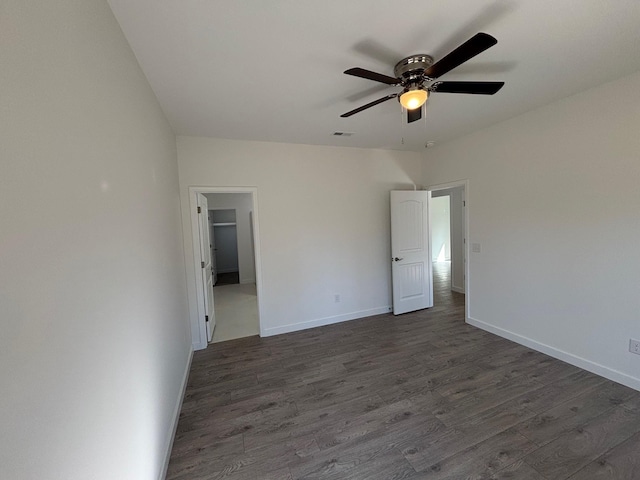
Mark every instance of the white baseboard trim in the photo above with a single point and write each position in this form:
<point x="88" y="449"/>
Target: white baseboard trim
<point x="583" y="363"/>
<point x="200" y="346"/>
<point x="457" y="289"/>
<point x="321" y="322"/>
<point x="176" y="417"/>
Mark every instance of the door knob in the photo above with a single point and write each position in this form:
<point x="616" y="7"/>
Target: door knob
<point x="397" y="259"/>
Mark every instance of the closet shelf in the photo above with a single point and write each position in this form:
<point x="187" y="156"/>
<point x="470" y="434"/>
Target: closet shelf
<point x="225" y="224"/>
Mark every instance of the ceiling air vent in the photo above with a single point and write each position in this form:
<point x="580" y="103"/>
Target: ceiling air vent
<point x="342" y="134"/>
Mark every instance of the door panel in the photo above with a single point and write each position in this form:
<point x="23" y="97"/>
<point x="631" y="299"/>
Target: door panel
<point x="207" y="273"/>
<point x="411" y="279"/>
<point x="410" y="251"/>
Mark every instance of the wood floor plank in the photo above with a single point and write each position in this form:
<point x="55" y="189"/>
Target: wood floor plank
<point x="561" y="391"/>
<point x="255" y="403"/>
<point x="202" y="448"/>
<point x="552" y="423"/>
<point x="452" y="410"/>
<point x="307" y="423"/>
<point x="253" y="464"/>
<point x="516" y="471"/>
<point x="280" y="474"/>
<point x="416" y="382"/>
<point x="483" y="459"/>
<point x="415" y="396"/>
<point x="378" y="420"/>
<point x="365" y="458"/>
<point x="575" y="449"/>
<point x="368" y="449"/>
<point x="621" y="462"/>
<point x="494" y="420"/>
<point x="488" y="377"/>
<point x="423" y="452"/>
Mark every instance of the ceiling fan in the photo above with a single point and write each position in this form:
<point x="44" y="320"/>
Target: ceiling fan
<point x="416" y="75"/>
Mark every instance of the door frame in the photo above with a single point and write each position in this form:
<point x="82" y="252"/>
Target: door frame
<point x="467" y="269"/>
<point x="193" y="211"/>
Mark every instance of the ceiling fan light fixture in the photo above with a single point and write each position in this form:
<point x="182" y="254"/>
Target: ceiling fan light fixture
<point x="414" y="98"/>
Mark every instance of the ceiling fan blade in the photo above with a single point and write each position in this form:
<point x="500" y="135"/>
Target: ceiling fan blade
<point x="369" y="75"/>
<point x="414" y="115"/>
<point x="469" y="49"/>
<point x="369" y="105"/>
<point x="478" y="88"/>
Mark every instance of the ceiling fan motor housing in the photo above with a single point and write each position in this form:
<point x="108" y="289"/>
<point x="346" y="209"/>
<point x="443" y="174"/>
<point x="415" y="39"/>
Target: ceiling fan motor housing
<point x="411" y="69"/>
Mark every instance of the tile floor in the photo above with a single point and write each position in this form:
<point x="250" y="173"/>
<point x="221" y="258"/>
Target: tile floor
<point x="236" y="308"/>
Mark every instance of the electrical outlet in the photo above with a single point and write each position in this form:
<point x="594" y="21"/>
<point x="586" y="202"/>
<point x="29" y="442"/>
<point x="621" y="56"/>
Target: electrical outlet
<point x="336" y="298"/>
<point x="476" y="248"/>
<point x="634" y="346"/>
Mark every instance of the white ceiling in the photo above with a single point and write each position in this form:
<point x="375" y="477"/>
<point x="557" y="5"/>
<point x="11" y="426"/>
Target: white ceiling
<point x="271" y="70"/>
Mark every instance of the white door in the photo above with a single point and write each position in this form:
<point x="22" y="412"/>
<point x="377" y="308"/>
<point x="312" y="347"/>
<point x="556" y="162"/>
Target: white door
<point x="205" y="264"/>
<point x="410" y="251"/>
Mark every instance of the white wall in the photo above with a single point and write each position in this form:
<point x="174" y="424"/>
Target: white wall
<point x="440" y="229"/>
<point x="94" y="340"/>
<point x="323" y="218"/>
<point x="553" y="202"/>
<point x="458" y="254"/>
<point x="242" y="204"/>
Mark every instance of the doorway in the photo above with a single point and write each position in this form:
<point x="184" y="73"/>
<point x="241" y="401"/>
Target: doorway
<point x="449" y="232"/>
<point x="235" y="293"/>
<point x="234" y="250"/>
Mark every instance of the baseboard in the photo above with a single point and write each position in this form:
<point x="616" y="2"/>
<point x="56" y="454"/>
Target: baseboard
<point x="200" y="346"/>
<point x="321" y="322"/>
<point x="247" y="280"/>
<point x="575" y="360"/>
<point x="457" y="289"/>
<point x="176" y="417"/>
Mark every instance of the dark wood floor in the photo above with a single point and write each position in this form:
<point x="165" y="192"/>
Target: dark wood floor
<point x="230" y="278"/>
<point x="418" y="396"/>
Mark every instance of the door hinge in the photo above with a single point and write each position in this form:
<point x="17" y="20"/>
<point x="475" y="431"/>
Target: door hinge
<point x="464" y="203"/>
<point x="199" y="210"/>
<point x="201" y="264"/>
<point x="206" y="318"/>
